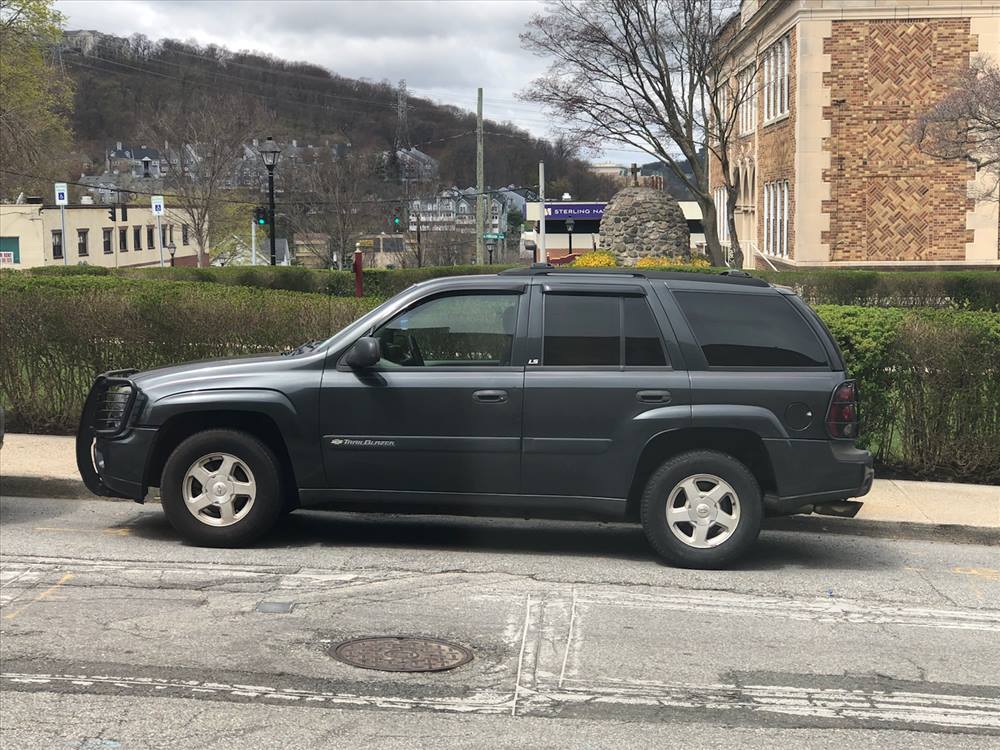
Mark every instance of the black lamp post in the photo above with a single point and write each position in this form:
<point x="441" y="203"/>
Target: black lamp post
<point x="569" y="230"/>
<point x="269" y="154"/>
<point x="172" y="249"/>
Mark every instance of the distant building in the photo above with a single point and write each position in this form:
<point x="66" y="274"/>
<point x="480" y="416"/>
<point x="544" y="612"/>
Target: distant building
<point x="454" y="210"/>
<point x="32" y="237"/>
<point x="386" y="251"/>
<point x="139" y="162"/>
<point x="411" y="165"/>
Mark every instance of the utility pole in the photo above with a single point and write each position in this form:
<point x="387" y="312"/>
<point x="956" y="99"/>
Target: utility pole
<point x="540" y="255"/>
<point x="480" y="182"/>
<point x="420" y="247"/>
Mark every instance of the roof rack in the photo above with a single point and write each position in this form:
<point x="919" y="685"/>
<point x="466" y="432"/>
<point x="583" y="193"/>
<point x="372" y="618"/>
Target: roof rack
<point x="731" y="276"/>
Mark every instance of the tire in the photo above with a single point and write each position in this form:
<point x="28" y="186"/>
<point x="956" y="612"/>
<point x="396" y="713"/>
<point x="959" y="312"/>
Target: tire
<point x="709" y="492"/>
<point x="242" y="479"/>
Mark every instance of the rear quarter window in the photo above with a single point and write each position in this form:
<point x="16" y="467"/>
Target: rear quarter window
<point x="751" y="330"/>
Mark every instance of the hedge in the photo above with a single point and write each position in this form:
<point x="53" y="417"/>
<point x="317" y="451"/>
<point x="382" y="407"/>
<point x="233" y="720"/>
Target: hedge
<point x="930" y="379"/>
<point x="972" y="290"/>
<point x="59" y="332"/>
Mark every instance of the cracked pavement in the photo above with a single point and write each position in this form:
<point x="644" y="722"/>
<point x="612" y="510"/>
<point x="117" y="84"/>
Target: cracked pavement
<point x="114" y="634"/>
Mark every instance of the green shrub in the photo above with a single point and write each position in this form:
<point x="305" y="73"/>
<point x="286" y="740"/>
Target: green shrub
<point x="60" y="331"/>
<point x="930" y="387"/>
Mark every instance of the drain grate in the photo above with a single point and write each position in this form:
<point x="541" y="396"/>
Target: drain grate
<point x="396" y="654"/>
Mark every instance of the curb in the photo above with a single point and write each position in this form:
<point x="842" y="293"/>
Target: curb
<point x="64" y="489"/>
<point x="922" y="532"/>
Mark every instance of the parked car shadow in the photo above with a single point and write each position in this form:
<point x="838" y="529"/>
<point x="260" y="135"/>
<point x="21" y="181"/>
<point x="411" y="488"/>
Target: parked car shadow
<point x="775" y="549"/>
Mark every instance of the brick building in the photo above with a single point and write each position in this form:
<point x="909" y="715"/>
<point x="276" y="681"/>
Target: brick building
<point x="823" y="154"/>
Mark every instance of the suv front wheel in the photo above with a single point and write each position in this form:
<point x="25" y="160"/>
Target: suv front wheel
<point x="701" y="509"/>
<point x="221" y="488"/>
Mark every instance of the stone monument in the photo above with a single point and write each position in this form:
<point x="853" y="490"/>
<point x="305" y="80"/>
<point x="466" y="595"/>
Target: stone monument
<point x="642" y="222"/>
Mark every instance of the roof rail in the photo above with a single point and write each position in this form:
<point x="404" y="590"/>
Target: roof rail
<point x="725" y="277"/>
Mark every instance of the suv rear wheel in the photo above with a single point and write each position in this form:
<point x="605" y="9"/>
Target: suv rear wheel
<point x="221" y="488"/>
<point x="701" y="509"/>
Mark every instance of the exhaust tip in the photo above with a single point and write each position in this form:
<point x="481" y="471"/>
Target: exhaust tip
<point x="840" y="508"/>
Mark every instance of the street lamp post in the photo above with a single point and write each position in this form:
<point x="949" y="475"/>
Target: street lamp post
<point x="172" y="249"/>
<point x="269" y="154"/>
<point x="570" y="223"/>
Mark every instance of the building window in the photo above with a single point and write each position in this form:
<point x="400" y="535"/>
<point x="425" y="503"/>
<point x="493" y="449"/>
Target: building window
<point x="776" y="79"/>
<point x="163" y="235"/>
<point x="776" y="218"/>
<point x="106" y="237"/>
<point x="57" y="245"/>
<point x="171" y="234"/>
<point x="185" y="234"/>
<point x="82" y="248"/>
<point x="123" y="239"/>
<point x="721" y="219"/>
<point x="748" y="100"/>
<point x="137" y="238"/>
<point x="151" y="237"/>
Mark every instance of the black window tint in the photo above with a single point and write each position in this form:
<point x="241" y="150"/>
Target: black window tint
<point x="751" y="330"/>
<point x="581" y="330"/>
<point x="454" y="331"/>
<point x="643" y="345"/>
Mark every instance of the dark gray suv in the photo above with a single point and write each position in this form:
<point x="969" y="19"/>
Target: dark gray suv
<point x="694" y="403"/>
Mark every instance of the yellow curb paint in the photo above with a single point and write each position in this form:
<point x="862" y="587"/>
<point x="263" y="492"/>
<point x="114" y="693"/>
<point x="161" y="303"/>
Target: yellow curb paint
<point x="990" y="573"/>
<point x="44" y="595"/>
<point x="112" y="530"/>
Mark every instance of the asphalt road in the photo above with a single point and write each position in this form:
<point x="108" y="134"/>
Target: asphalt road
<point x="115" y="635"/>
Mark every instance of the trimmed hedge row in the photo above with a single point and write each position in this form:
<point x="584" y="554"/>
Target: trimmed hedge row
<point x="930" y="379"/>
<point x="973" y="290"/>
<point x="58" y="333"/>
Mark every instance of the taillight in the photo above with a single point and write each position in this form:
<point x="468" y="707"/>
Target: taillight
<point x="842" y="416"/>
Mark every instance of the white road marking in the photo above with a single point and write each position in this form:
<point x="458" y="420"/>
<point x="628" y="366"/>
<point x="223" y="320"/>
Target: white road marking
<point x="520" y="657"/>
<point x="569" y="639"/>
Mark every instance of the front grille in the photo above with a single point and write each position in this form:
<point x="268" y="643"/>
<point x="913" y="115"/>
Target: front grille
<point x="112" y="406"/>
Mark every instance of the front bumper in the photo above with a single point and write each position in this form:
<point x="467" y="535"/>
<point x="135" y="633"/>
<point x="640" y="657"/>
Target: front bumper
<point x="111" y="457"/>
<point x="816" y="472"/>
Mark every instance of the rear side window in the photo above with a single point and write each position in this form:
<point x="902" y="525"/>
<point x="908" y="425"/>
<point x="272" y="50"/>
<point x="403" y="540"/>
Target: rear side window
<point x="598" y="331"/>
<point x="751" y="330"/>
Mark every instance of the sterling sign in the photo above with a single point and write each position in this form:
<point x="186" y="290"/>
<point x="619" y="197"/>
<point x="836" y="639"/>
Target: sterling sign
<point x="568" y="210"/>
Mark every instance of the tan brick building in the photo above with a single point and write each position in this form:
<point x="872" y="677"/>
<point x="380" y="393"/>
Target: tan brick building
<point x="823" y="155"/>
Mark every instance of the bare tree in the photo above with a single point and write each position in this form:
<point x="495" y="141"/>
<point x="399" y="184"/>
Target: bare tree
<point x="965" y="125"/>
<point x="334" y="196"/>
<point x="663" y="76"/>
<point x="203" y="143"/>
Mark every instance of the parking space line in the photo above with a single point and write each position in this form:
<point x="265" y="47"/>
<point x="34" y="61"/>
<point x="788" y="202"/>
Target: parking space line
<point x="520" y="658"/>
<point x="44" y="595"/>
<point x="569" y="638"/>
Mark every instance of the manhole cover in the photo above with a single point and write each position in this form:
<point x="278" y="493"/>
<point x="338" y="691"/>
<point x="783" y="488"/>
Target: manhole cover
<point x="392" y="654"/>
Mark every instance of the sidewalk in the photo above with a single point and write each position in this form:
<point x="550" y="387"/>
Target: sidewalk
<point x="45" y="466"/>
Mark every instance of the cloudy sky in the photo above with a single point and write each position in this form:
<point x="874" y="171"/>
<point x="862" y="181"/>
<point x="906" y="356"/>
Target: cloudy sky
<point x="444" y="48"/>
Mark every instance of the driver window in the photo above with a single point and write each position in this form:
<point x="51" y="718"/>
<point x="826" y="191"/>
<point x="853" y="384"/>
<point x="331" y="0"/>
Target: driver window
<point x="470" y="330"/>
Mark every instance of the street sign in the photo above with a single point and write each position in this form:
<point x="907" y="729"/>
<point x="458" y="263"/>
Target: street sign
<point x="62" y="194"/>
<point x="6" y="258"/>
<point x="157" y="205"/>
<point x="494" y="235"/>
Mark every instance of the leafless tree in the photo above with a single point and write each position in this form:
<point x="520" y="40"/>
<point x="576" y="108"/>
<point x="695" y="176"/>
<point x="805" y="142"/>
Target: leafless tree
<point x="965" y="124"/>
<point x="334" y="196"/>
<point x="661" y="76"/>
<point x="202" y="144"/>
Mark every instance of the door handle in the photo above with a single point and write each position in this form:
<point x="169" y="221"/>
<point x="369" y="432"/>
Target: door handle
<point x="490" y="396"/>
<point x="653" y="397"/>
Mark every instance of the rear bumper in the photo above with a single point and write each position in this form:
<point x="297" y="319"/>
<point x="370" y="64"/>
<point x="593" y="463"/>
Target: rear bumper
<point x="814" y="472"/>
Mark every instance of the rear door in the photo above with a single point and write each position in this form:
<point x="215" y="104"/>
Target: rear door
<point x="602" y="378"/>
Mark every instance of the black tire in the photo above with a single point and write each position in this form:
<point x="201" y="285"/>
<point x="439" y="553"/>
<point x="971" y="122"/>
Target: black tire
<point x="268" y="501"/>
<point x="661" y="485"/>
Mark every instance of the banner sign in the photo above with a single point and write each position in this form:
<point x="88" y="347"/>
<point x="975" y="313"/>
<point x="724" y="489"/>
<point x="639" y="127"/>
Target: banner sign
<point x="569" y="210"/>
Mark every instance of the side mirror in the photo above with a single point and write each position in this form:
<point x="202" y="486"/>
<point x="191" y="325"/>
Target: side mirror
<point x="365" y="353"/>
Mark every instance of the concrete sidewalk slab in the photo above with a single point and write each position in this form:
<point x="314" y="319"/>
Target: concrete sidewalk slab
<point x="45" y="466"/>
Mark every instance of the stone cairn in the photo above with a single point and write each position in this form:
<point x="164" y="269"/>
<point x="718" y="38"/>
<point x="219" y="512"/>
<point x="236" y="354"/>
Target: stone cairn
<point x="642" y="222"/>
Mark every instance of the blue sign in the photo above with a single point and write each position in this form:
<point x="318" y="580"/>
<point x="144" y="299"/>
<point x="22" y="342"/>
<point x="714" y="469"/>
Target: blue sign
<point x="570" y="210"/>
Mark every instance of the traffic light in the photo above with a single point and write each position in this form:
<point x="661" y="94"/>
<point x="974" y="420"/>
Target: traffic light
<point x="112" y="214"/>
<point x="396" y="221"/>
<point x="260" y="216"/>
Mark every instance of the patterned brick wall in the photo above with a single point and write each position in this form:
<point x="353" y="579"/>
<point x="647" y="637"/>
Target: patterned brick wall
<point x="888" y="201"/>
<point x="776" y="147"/>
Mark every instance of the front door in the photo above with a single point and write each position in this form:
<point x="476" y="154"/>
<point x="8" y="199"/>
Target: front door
<point x="599" y="384"/>
<point x="441" y="413"/>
